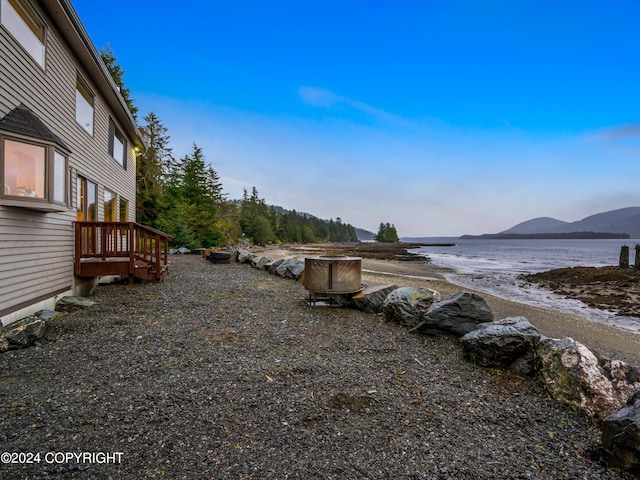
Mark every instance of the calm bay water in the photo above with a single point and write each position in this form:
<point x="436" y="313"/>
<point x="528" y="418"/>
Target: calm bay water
<point x="493" y="266"/>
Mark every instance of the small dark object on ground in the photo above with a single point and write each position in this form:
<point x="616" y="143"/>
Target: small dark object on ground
<point x="219" y="257"/>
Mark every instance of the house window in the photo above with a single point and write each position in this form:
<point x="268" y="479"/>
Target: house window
<point x="87" y="192"/>
<point x="117" y="144"/>
<point x="24" y="169"/>
<point x="59" y="178"/>
<point x="84" y="106"/>
<point x="86" y="201"/>
<point x="109" y="206"/>
<point x="25" y="25"/>
<point x="33" y="171"/>
<point x="124" y="210"/>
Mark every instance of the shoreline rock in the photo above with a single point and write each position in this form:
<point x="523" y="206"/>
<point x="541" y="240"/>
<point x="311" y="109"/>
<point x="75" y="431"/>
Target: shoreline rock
<point x="507" y="343"/>
<point x="605" y="288"/>
<point x="621" y="436"/>
<point x="458" y="315"/>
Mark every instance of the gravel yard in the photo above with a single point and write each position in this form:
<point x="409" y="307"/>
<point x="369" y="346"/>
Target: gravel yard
<point x="223" y="371"/>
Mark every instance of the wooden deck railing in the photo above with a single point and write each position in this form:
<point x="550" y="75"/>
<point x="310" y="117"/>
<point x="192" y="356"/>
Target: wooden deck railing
<point x="117" y="248"/>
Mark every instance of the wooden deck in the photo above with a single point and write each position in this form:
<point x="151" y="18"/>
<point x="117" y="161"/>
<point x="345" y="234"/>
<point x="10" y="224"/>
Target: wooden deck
<point x="120" y="248"/>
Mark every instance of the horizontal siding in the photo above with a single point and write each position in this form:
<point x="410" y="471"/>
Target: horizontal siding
<point x="27" y="269"/>
<point x="15" y="294"/>
<point x="36" y="255"/>
<point x="10" y="226"/>
<point x="22" y="217"/>
<point x="36" y="249"/>
<point x="26" y="257"/>
<point x="43" y="241"/>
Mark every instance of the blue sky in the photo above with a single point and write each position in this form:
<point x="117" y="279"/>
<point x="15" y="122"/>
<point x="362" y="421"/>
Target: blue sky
<point x="441" y="117"/>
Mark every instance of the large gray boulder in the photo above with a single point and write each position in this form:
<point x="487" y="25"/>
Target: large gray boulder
<point x="574" y="375"/>
<point x="621" y="436"/>
<point x="79" y="302"/>
<point x="459" y="315"/>
<point x="291" y="268"/>
<point x="273" y="266"/>
<point x="267" y="267"/>
<point x="243" y="256"/>
<point x="509" y="342"/>
<point x="22" y="334"/>
<point x="407" y="305"/>
<point x="371" y="299"/>
<point x="260" y="262"/>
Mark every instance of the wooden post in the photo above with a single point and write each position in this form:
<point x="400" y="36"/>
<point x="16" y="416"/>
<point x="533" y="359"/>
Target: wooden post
<point x="636" y="265"/>
<point x="157" y="255"/>
<point x="132" y="250"/>
<point x="624" y="256"/>
<point x="78" y="246"/>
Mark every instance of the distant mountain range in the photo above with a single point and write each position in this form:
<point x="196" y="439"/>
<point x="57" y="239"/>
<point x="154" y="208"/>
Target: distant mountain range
<point x="622" y="223"/>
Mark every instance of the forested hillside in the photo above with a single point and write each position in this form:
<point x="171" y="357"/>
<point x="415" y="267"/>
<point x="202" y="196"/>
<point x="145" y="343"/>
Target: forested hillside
<point x="184" y="199"/>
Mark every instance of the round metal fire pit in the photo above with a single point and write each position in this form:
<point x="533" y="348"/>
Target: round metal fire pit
<point x="332" y="274"/>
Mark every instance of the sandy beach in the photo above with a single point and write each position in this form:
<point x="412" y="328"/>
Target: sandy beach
<point x="603" y="339"/>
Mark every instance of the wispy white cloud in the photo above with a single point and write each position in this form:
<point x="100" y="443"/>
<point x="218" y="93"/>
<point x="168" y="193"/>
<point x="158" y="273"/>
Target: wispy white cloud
<point x="319" y="97"/>
<point x="630" y="130"/>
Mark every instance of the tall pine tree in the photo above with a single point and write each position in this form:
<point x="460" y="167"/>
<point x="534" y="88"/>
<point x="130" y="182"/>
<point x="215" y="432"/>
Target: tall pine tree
<point x="150" y="164"/>
<point x="255" y="218"/>
<point x="117" y="73"/>
<point x="193" y="197"/>
<point x="386" y="233"/>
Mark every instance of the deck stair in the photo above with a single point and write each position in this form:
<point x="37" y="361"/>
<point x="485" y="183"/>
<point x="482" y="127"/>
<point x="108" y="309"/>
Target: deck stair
<point x="122" y="249"/>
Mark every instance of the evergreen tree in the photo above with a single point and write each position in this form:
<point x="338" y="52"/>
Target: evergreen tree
<point x="192" y="198"/>
<point x="194" y="185"/>
<point x="283" y="228"/>
<point x="307" y="234"/>
<point x="247" y="213"/>
<point x="386" y="233"/>
<point x="228" y="223"/>
<point x="175" y="223"/>
<point x="255" y="218"/>
<point x="262" y="232"/>
<point x="214" y="186"/>
<point x="149" y="169"/>
<point x="117" y="73"/>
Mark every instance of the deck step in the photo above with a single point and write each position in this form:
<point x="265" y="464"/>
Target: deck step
<point x="146" y="271"/>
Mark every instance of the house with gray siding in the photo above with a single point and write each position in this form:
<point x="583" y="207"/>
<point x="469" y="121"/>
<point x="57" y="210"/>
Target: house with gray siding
<point x="67" y="163"/>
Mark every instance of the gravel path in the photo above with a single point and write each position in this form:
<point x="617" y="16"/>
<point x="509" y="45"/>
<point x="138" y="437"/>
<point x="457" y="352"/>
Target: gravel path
<point x="223" y="371"/>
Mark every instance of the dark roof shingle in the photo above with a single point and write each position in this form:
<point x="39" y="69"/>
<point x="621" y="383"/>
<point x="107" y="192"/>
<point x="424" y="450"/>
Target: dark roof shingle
<point x="23" y="121"/>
